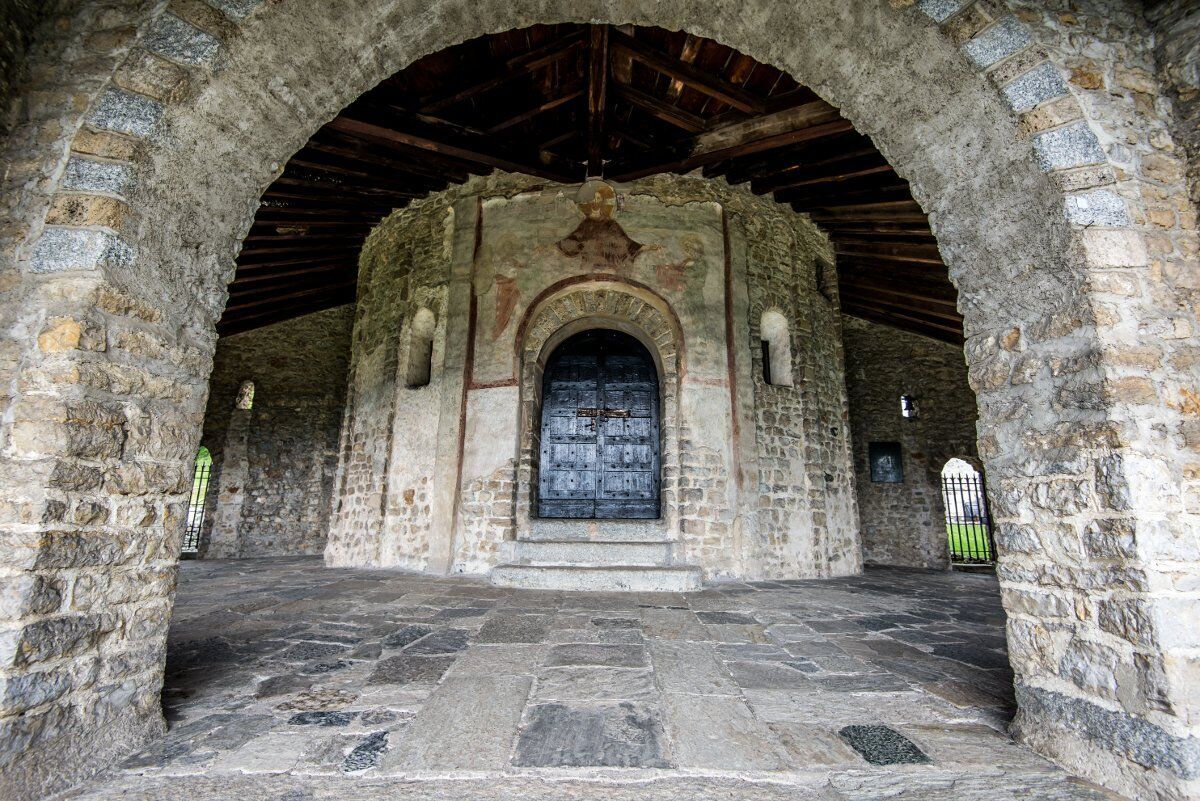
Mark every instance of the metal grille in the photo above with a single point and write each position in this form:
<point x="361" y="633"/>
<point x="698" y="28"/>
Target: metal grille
<point x="968" y="521"/>
<point x="195" y="512"/>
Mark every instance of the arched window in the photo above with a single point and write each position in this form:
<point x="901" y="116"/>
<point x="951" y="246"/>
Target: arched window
<point x="195" y="510"/>
<point x="420" y="349"/>
<point x="776" y="349"/>
<point x="245" y="396"/>
<point x="968" y="521"/>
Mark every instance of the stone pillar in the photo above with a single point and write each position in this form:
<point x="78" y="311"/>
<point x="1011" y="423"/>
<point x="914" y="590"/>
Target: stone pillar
<point x="444" y="501"/>
<point x="224" y="540"/>
<point x="1085" y="450"/>
<point x="94" y="476"/>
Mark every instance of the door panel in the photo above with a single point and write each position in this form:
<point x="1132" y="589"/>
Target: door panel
<point x="600" y="439"/>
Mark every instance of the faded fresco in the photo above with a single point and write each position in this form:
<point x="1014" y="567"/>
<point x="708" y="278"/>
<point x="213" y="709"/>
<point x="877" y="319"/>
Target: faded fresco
<point x="536" y="240"/>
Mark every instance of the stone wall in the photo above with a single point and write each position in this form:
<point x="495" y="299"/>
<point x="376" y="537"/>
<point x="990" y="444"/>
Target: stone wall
<point x="805" y="502"/>
<point x="382" y="510"/>
<point x="274" y="464"/>
<point x="19" y="20"/>
<point x="1177" y="50"/>
<point x="1079" y="298"/>
<point x="904" y="523"/>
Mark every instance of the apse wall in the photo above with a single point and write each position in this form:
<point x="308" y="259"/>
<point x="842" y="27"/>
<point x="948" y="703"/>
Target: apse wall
<point x="469" y="287"/>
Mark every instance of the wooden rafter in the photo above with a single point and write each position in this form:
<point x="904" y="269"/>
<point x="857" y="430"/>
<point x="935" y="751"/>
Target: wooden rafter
<point x="597" y="97"/>
<point x="690" y="76"/>
<point x="564" y="101"/>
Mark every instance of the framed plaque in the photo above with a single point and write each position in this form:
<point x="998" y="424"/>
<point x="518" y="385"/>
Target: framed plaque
<point x="886" y="464"/>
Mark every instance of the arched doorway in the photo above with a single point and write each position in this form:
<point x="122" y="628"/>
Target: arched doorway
<point x="600" y="449"/>
<point x="968" y="519"/>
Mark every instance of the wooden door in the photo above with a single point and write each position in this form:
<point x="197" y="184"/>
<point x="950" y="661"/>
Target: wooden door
<point x="600" y="443"/>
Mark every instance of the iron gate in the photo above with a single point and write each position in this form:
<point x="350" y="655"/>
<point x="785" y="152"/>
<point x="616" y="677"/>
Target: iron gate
<point x="968" y="521"/>
<point x="195" y="510"/>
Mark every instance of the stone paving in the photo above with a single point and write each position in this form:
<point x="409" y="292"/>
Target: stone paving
<point x="291" y="681"/>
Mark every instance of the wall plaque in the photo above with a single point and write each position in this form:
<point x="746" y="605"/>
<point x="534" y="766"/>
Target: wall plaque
<point x="886" y="465"/>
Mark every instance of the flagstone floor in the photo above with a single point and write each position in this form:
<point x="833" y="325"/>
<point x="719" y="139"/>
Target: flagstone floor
<point x="287" y="680"/>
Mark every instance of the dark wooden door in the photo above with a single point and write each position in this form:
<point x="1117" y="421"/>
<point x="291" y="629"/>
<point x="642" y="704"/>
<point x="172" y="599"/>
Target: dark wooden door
<point x="600" y="444"/>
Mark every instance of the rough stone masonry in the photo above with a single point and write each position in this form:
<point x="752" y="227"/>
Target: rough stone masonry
<point x="1044" y="140"/>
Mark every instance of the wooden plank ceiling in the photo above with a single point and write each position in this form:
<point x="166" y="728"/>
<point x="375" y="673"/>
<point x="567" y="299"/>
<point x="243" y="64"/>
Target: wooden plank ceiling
<point x="566" y="101"/>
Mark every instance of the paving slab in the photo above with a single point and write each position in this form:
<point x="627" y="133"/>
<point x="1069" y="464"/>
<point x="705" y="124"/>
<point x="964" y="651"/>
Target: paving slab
<point x="469" y="723"/>
<point x="690" y="667"/>
<point x="808" y="747"/>
<point x="511" y="659"/>
<point x="611" y="655"/>
<point x="718" y="732"/>
<point x="410" y="669"/>
<point x="595" y="684"/>
<point x="618" y="735"/>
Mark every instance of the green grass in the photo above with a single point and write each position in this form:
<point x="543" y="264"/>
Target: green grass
<point x="968" y="539"/>
<point x="200" y="483"/>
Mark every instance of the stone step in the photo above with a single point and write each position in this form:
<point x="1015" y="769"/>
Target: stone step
<point x="613" y="578"/>
<point x="594" y="553"/>
<point x="596" y="530"/>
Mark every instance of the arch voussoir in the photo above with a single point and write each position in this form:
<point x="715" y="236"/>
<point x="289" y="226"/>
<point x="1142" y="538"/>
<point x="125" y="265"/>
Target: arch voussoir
<point x="142" y="173"/>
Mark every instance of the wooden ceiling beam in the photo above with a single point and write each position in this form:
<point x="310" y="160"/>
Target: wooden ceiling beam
<point x="772" y="163"/>
<point x="276" y="213"/>
<point x="346" y="199"/>
<point x="900" y="281"/>
<point x="637" y="138"/>
<point x="311" y="182"/>
<point x="323" y="269"/>
<point x="631" y="169"/>
<point x="712" y="85"/>
<point x="911" y="326"/>
<point x="892" y="254"/>
<point x="597" y="97"/>
<point x="515" y="67"/>
<point x="529" y="114"/>
<point x="865" y="191"/>
<point x="900" y="211"/>
<point x="914" y="271"/>
<point x="309" y="257"/>
<point x="657" y="108"/>
<point x="407" y="160"/>
<point x="795" y="185"/>
<point x="687" y="55"/>
<point x="493" y="154"/>
<point x="807" y="166"/>
<point x="242" y="304"/>
<point x="375" y="177"/>
<point x="413" y="174"/>
<point x="237" y="324"/>
<point x="950" y="322"/>
<point x="916" y="299"/>
<point x="726" y="138"/>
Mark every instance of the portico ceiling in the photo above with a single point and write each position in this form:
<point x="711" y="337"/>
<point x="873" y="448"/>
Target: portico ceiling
<point x="567" y="101"/>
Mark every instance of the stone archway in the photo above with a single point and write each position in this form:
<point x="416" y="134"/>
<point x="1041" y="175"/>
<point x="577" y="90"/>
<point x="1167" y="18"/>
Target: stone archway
<point x="575" y="306"/>
<point x="124" y="231"/>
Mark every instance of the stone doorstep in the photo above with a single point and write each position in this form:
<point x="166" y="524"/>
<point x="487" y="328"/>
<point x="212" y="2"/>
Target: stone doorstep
<point x="612" y="578"/>
<point x="594" y="553"/>
<point x="541" y="530"/>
